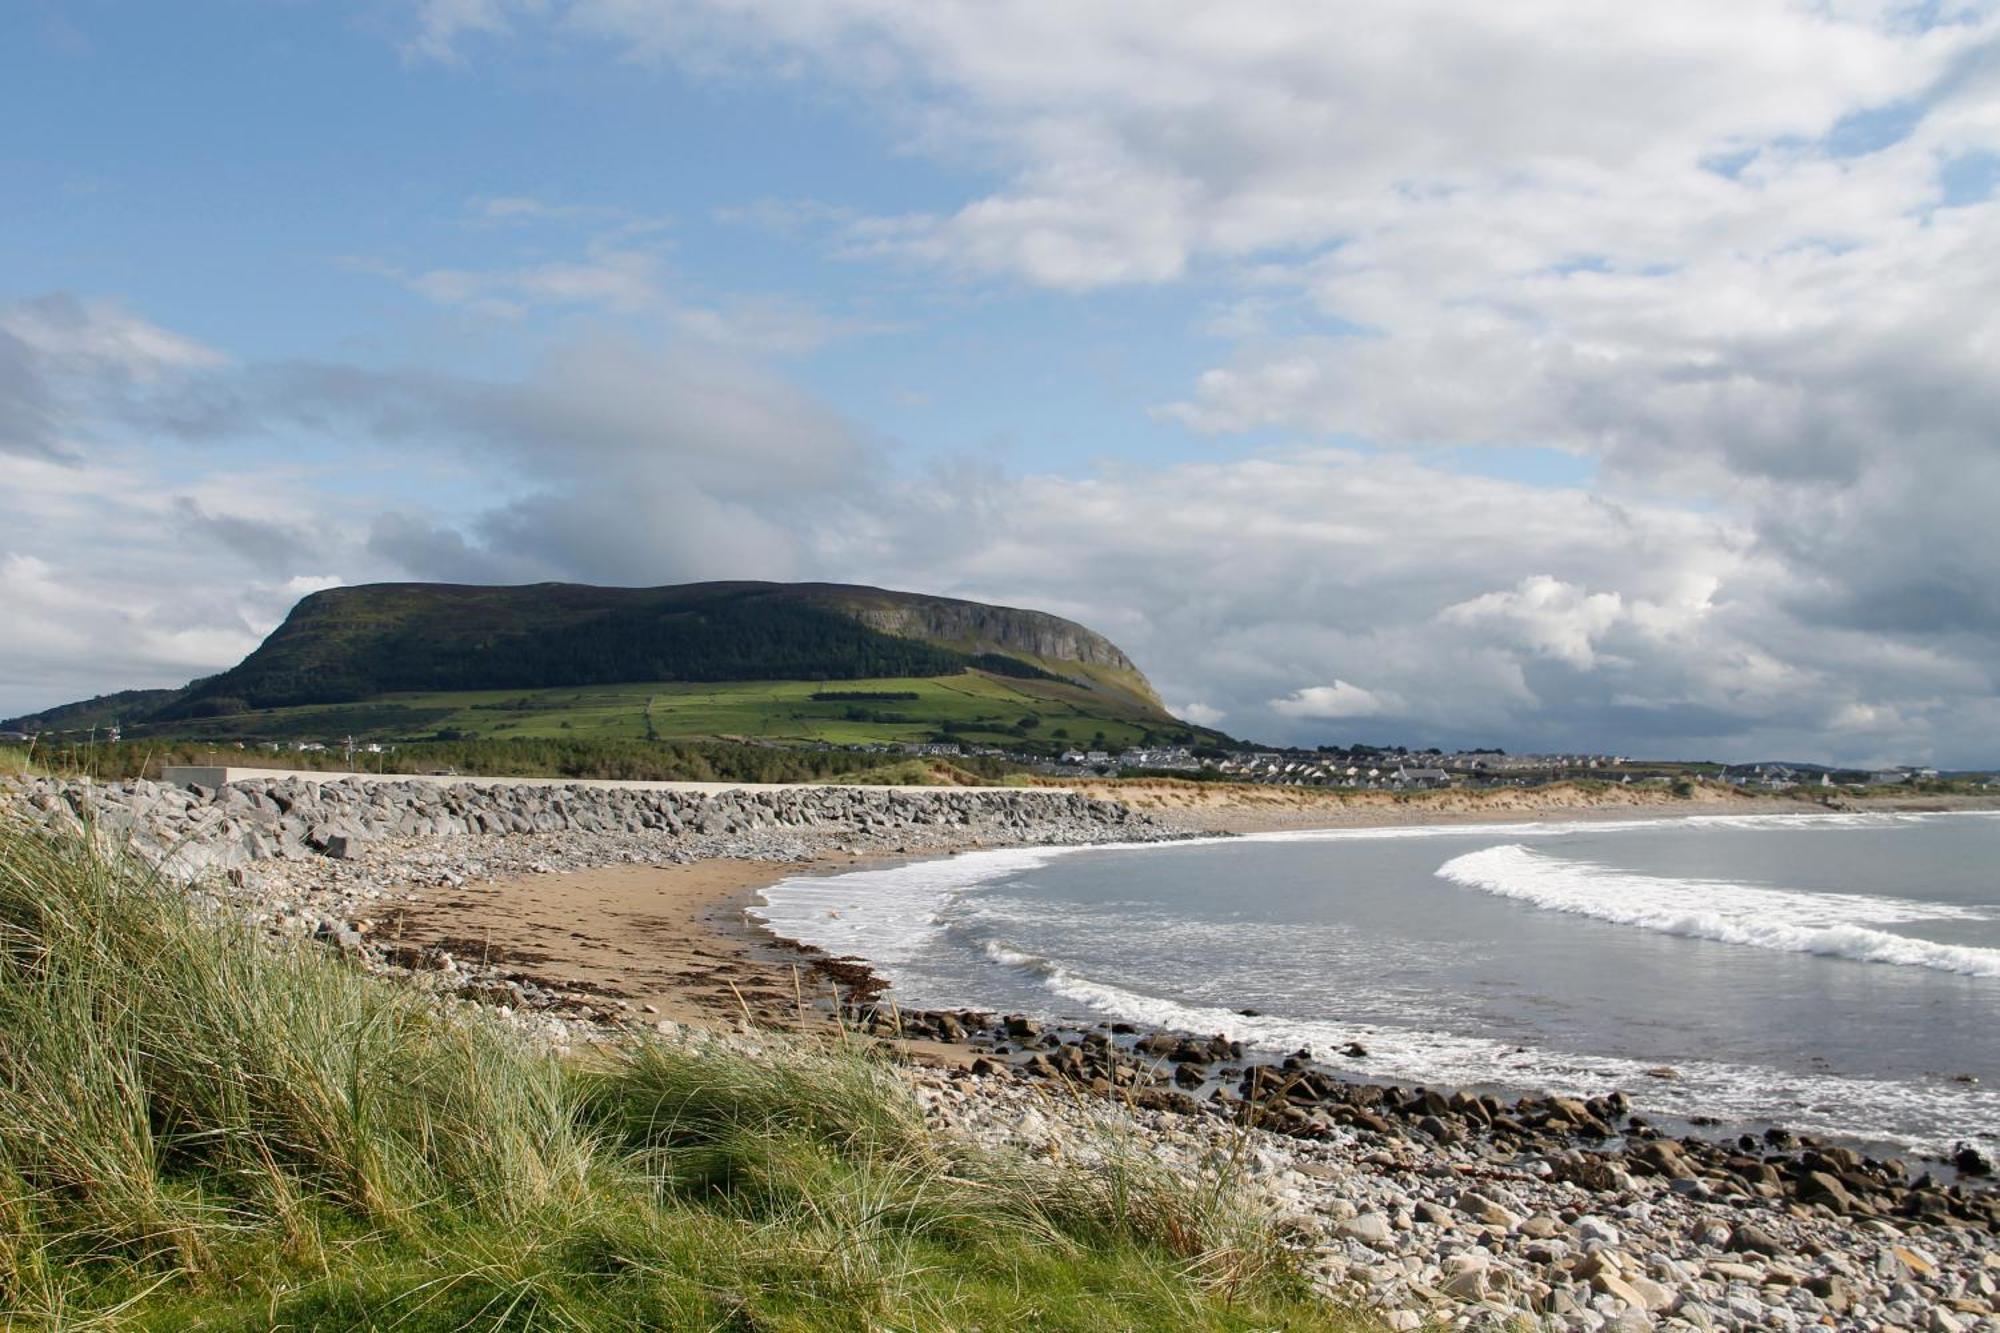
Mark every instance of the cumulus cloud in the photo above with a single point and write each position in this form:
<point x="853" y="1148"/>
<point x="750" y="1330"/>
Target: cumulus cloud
<point x="165" y="586"/>
<point x="1546" y="616"/>
<point x="1308" y="594"/>
<point x="65" y="361"/>
<point x="610" y="459"/>
<point x="1747" y="253"/>
<point x="1337" y="700"/>
<point x="1140" y="140"/>
<point x="1743" y="255"/>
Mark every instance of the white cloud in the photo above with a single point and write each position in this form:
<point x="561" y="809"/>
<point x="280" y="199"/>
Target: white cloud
<point x="68" y="364"/>
<point x="1707" y="243"/>
<point x="616" y="280"/>
<point x="1308" y="594"/>
<point x="1547" y="616"/>
<point x="442" y="25"/>
<point x="1136" y="140"/>
<point x="619" y="270"/>
<point x="102" y="338"/>
<point x="1338" y="700"/>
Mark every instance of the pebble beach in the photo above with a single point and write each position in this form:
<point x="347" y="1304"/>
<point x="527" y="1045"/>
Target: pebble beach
<point x="1425" y="1205"/>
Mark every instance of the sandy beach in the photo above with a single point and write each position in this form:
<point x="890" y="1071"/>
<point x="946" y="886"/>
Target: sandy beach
<point x="672" y="941"/>
<point x="583" y="916"/>
<point x="658" y="937"/>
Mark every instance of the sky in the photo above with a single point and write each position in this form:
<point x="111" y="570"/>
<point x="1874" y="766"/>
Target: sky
<point x="1551" y="375"/>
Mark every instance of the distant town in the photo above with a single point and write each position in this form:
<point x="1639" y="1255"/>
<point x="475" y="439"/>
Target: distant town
<point x="1359" y="767"/>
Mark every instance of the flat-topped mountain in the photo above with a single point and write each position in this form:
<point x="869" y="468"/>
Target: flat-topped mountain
<point x="400" y="641"/>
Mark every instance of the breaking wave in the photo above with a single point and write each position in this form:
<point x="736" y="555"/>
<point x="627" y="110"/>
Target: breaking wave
<point x="1833" y="925"/>
<point x="1813" y="1103"/>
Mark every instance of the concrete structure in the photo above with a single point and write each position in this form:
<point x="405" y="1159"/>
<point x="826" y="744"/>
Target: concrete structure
<point x="185" y="775"/>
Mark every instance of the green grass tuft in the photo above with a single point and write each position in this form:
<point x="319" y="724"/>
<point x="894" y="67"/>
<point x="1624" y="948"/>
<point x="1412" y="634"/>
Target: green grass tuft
<point x="204" y="1128"/>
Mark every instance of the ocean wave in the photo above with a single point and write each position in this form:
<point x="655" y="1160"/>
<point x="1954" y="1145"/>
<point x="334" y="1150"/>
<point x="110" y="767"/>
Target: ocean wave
<point x="1914" y="1116"/>
<point x="889" y="915"/>
<point x="968" y="929"/>
<point x="1834" y="925"/>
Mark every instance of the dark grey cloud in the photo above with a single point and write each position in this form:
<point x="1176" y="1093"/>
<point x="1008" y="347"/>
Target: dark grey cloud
<point x="423" y="549"/>
<point x="1309" y="594"/>
<point x="27" y="410"/>
<point x="273" y="549"/>
<point x="614" y="461"/>
<point x="68" y="366"/>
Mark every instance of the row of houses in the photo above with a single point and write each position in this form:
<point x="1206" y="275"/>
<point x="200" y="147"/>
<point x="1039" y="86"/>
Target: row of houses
<point x="1778" y="777"/>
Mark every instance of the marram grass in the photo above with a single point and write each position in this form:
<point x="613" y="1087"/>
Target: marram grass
<point x="201" y="1128"/>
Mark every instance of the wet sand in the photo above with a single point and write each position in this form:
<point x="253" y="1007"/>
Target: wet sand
<point x="672" y="942"/>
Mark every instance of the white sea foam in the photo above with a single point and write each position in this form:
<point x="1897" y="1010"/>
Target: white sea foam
<point x="1836" y="925"/>
<point x="889" y="915"/>
<point x="914" y="920"/>
<point x="1812" y="1103"/>
<point x="1008" y="956"/>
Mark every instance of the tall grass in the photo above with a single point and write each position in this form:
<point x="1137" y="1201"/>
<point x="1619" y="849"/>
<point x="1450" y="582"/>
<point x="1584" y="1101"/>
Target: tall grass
<point x="203" y="1127"/>
<point x="18" y="761"/>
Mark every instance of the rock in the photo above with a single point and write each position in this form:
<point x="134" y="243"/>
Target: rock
<point x="1971" y="1162"/>
<point x="1712" y="1231"/>
<point x="1597" y="1261"/>
<point x="1609" y="1283"/>
<point x="1540" y="1227"/>
<point x="1746" y="1308"/>
<point x="1370" y="1229"/>
<point x="1595" y="1231"/>
<point x="1832" y="1289"/>
<point x="1821" y="1188"/>
<point x="1914" y="1261"/>
<point x="1749" y="1238"/>
<point x="1653" y="1295"/>
<point x="1487" y="1211"/>
<point x="1438" y="1129"/>
<point x="1429" y="1213"/>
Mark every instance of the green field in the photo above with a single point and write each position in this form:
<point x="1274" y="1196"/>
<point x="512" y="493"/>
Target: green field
<point x="973" y="707"/>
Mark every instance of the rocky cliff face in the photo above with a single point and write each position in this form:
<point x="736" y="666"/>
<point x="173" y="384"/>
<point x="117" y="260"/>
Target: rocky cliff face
<point x="999" y="629"/>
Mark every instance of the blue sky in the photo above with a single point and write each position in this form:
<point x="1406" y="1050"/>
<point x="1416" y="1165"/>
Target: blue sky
<point x="255" y="175"/>
<point x="1583" y="380"/>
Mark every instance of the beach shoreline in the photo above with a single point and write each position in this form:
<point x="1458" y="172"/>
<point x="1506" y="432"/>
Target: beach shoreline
<point x="1421" y="1202"/>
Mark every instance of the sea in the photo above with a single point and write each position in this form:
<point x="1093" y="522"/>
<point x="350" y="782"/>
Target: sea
<point x="1834" y="974"/>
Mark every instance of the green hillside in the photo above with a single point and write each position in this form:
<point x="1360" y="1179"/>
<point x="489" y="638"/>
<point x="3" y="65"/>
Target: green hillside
<point x="775" y="663"/>
<point x="973" y="707"/>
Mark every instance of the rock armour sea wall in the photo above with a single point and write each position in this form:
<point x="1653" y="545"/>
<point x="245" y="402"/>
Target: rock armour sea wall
<point x="195" y="832"/>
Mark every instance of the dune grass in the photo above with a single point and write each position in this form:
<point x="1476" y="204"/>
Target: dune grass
<point x="17" y="761"/>
<point x="204" y="1128"/>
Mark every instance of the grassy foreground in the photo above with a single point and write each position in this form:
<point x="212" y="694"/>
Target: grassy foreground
<point x="200" y="1128"/>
